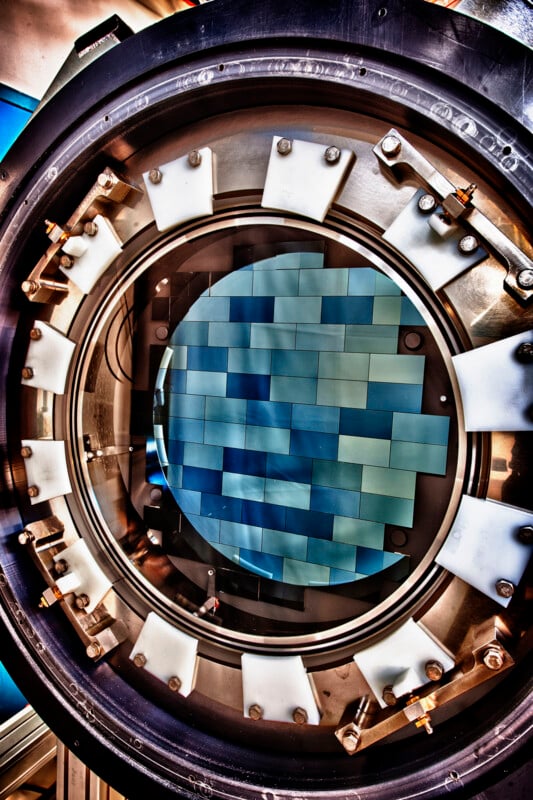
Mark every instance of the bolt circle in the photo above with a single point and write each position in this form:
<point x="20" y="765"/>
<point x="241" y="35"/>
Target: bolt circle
<point x="505" y="588"/>
<point x="468" y="244"/>
<point x="525" y="278"/>
<point x="332" y="154"/>
<point x="255" y="711"/>
<point x="284" y="147"/>
<point x="427" y="204"/>
<point x="391" y="145"/>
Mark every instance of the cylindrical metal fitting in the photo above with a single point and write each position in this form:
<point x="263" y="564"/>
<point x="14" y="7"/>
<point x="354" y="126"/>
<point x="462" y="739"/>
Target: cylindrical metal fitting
<point x="332" y="154"/>
<point x="25" y="452"/>
<point x="391" y="146"/>
<point x="255" y="711"/>
<point x="81" y="601"/>
<point x="25" y="537"/>
<point x="33" y="491"/>
<point x="27" y="373"/>
<point x="66" y="261"/>
<point x="299" y="715"/>
<point x="60" y="566"/>
<point x="505" y="588"/>
<point x="105" y="181"/>
<point x="493" y="658"/>
<point x="195" y="158"/>
<point x="174" y="683"/>
<point x="524" y="352"/>
<point x="525" y="278"/>
<point x="90" y="228"/>
<point x="468" y="245"/>
<point x="155" y="176"/>
<point x="139" y="659"/>
<point x="525" y="534"/>
<point x="29" y="287"/>
<point x="434" y="670"/>
<point x="93" y="650"/>
<point x="35" y="334"/>
<point x="350" y="740"/>
<point x="388" y="696"/>
<point x="427" y="204"/>
<point x="284" y="147"/>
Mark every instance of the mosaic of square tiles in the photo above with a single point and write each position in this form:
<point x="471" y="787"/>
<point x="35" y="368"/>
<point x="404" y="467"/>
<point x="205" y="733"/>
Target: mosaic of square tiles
<point x="295" y="430"/>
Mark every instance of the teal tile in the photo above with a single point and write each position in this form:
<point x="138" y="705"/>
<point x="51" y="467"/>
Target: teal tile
<point x="249" y="360"/>
<point x="288" y="493"/>
<point x="396" y="369"/>
<point x="386" y="286"/>
<point x="348" y="366"/>
<point x="337" y="474"/>
<point x="320" y="337"/>
<point x="337" y="576"/>
<point x="208" y="526"/>
<point x="298" y="309"/>
<point x="423" y="428"/>
<point x="280" y="262"/>
<point x="363" y="450"/>
<point x="298" y="363"/>
<point x="323" y="282"/>
<point x="234" y="284"/>
<point x="331" y="554"/>
<point x="371" y="339"/>
<point x="419" y="457"/>
<point x="273" y="335"/>
<point x="228" y="334"/>
<point x="188" y="405"/>
<point x="247" y="487"/>
<point x="209" y="309"/>
<point x="224" y="434"/>
<point x="179" y="357"/>
<point x="280" y="543"/>
<point x="175" y="475"/>
<point x="394" y="482"/>
<point x="303" y="573"/>
<point x="275" y="283"/>
<point x="225" y="409"/>
<point x="236" y="534"/>
<point x="195" y="333"/>
<point x="360" y="532"/>
<point x="286" y="389"/>
<point x="387" y="310"/>
<point x="311" y="260"/>
<point x="203" y="455"/>
<point x="211" y="383"/>
<point x="362" y="281"/>
<point x="410" y="314"/>
<point x="347" y="394"/>
<point x="230" y="552"/>
<point x="269" y="440"/>
<point x="390" y="510"/>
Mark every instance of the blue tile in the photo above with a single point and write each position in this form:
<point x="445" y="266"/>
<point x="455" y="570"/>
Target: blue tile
<point x="234" y="284"/>
<point x="391" y="510"/>
<point x="348" y="394"/>
<point x="320" y="337"/>
<point x="250" y="360"/>
<point x="286" y="389"/>
<point x="298" y="363"/>
<point x="175" y="476"/>
<point x="177" y="380"/>
<point x="385" y="286"/>
<point x="248" y="387"/>
<point x="387" y="310"/>
<point x="361" y="281"/>
<point x="314" y="445"/>
<point x="195" y="333"/>
<point x="424" y="428"/>
<point x="347" y="310"/>
<point x="335" y="501"/>
<point x="323" y="419"/>
<point x="230" y="552"/>
<point x="331" y="554"/>
<point x="202" y="480"/>
<point x="265" y="515"/>
<point x="188" y="405"/>
<point x="269" y="414"/>
<point x="287" y="493"/>
<point x="247" y="462"/>
<point x="369" y="561"/>
<point x="371" y="339"/>
<point x="208" y="527"/>
<point x="363" y="422"/>
<point x="219" y="507"/>
<point x="238" y="535"/>
<point x="209" y="309"/>
<point x="247" y="487"/>
<point x="252" y="309"/>
<point x="395" y="397"/>
<point x="189" y="501"/>
<point x="179" y="357"/>
<point x="323" y="282"/>
<point x="305" y="574"/>
<point x="337" y="474"/>
<point x="359" y="532"/>
<point x="202" y="455"/>
<point x="308" y="523"/>
<point x="419" y="457"/>
<point x="311" y="260"/>
<point x="228" y="334"/>
<point x="175" y="450"/>
<point x="278" y="283"/>
<point x="337" y="576"/>
<point x="270" y="440"/>
<point x="387" y="368"/>
<point x="409" y="314"/>
<point x="225" y="409"/>
<point x="298" y="309"/>
<point x="211" y="383"/>
<point x="281" y="543"/>
<point x="289" y="468"/>
<point x="270" y="566"/>
<point x="224" y="434"/>
<point x="344" y="366"/>
<point x="187" y="430"/>
<point x="273" y="336"/>
<point x="209" y="359"/>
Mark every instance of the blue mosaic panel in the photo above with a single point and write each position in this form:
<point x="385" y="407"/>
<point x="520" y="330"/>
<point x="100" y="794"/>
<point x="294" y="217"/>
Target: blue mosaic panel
<point x="294" y="428"/>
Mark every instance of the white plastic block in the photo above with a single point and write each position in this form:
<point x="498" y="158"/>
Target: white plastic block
<point x="49" y="358"/>
<point x="184" y="192"/>
<point x="169" y="652"/>
<point x="278" y="686"/>
<point x="46" y="469"/>
<point x="99" y="253"/>
<point x="84" y="576"/>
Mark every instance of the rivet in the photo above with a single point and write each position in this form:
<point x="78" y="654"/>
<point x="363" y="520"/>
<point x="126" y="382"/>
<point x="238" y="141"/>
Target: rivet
<point x="524" y="352"/>
<point x="25" y="451"/>
<point x="81" y="601"/>
<point x="350" y="740"/>
<point x="525" y="278"/>
<point x="67" y="262"/>
<point x="60" y="566"/>
<point x="299" y="715"/>
<point x="493" y="658"/>
<point x="174" y="684"/>
<point x="505" y="588"/>
<point x="90" y="228"/>
<point x="332" y="154"/>
<point x="33" y="491"/>
<point x="412" y="340"/>
<point x="155" y="176"/>
<point x="284" y="147"/>
<point x="391" y="146"/>
<point x="195" y="158"/>
<point x="35" y="334"/>
<point x="434" y="670"/>
<point x="105" y="181"/>
<point x="139" y="659"/>
<point x="468" y="244"/>
<point x="255" y="711"/>
<point x="161" y="333"/>
<point x="27" y="373"/>
<point x="388" y="696"/>
<point x="398" y="537"/>
<point x="427" y="204"/>
<point x="525" y="534"/>
<point x="93" y="650"/>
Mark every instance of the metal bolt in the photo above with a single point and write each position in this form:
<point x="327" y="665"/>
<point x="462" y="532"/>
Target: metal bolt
<point x="332" y="154"/>
<point x="255" y="711"/>
<point x="25" y="537"/>
<point x="33" y="491"/>
<point x="524" y="352"/>
<point x="468" y="244"/>
<point x="29" y="287"/>
<point x="427" y="204"/>
<point x="391" y="146"/>
<point x="388" y="696"/>
<point x="25" y="452"/>
<point x="66" y="261"/>
<point x="505" y="588"/>
<point x="93" y="650"/>
<point x="284" y="147"/>
<point x="525" y="534"/>
<point x="161" y="333"/>
<point x="90" y="228"/>
<point x="493" y="658"/>
<point x="299" y="715"/>
<point x="155" y="176"/>
<point x="60" y="566"/>
<point x="81" y="601"/>
<point x="35" y="334"/>
<point x="525" y="278"/>
<point x="174" y="684"/>
<point x="105" y="181"/>
<point x="195" y="158"/>
<point x="434" y="670"/>
<point x="412" y="340"/>
<point x="350" y="740"/>
<point x="139" y="659"/>
<point x="27" y="373"/>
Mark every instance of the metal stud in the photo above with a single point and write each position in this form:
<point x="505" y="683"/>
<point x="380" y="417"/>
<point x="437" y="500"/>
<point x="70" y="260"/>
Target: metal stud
<point x="174" y="683"/>
<point x="300" y="716"/>
<point x="434" y="670"/>
<point x="81" y="601"/>
<point x="139" y="659"/>
<point x="27" y="373"/>
<point x="33" y="491"/>
<point x="388" y="696"/>
<point x="255" y="711"/>
<point x="195" y="158"/>
<point x="105" y="181"/>
<point x="524" y="353"/>
<point x="93" y="650"/>
<point x="525" y="534"/>
<point x="25" y="452"/>
<point x="525" y="278"/>
<point x="468" y="245"/>
<point x="427" y="204"/>
<point x="155" y="176"/>
<point x="35" y="334"/>
<point x="332" y="154"/>
<point x="284" y="147"/>
<point x="90" y="228"/>
<point x="505" y="588"/>
<point x="493" y="658"/>
<point x="391" y="146"/>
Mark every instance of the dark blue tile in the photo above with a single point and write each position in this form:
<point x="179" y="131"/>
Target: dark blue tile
<point x="395" y="396"/>
<point x="347" y="310"/>
<point x="321" y="419"/>
<point x="202" y="480"/>
<point x="246" y="462"/>
<point x="309" y="523"/>
<point x="175" y="451"/>
<point x="289" y="468"/>
<point x="178" y="380"/>
<point x="335" y="501"/>
<point x="210" y="359"/>
<point x="252" y="309"/>
<point x="220" y="507"/>
<point x="248" y="387"/>
<point x="314" y="445"/>
<point x="264" y="515"/>
<point x="410" y="314"/>
<point x="362" y="422"/>
<point x="272" y="565"/>
<point x="368" y="561"/>
<point x="268" y="414"/>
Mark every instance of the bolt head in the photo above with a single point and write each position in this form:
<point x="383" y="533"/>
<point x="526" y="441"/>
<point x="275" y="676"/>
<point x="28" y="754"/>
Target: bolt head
<point x="139" y="659"/>
<point x="332" y="154"/>
<point x="174" y="684"/>
<point x="284" y="147"/>
<point x="255" y="711"/>
<point x="505" y="588"/>
<point x="524" y="353"/>
<point x="82" y="601"/>
<point x="155" y="176"/>
<point x="427" y="204"/>
<point x="391" y="146"/>
<point x="67" y="262"/>
<point x="105" y="181"/>
<point x="25" y="452"/>
<point x="93" y="650"/>
<point x="388" y="696"/>
<point x="90" y="228"/>
<point x="299" y="715"/>
<point x="195" y="158"/>
<point x="27" y="373"/>
<point x="33" y="491"/>
<point x="468" y="244"/>
<point x="29" y="287"/>
<point x="60" y="566"/>
<point x="350" y="740"/>
<point x="493" y="658"/>
<point x="525" y="534"/>
<point x="25" y="537"/>
<point x="525" y="278"/>
<point x="434" y="670"/>
<point x="35" y="334"/>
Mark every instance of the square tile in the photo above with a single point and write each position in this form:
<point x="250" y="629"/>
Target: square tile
<point x="238" y="535"/>
<point x="289" y="468"/>
<point x="212" y="383"/>
<point x="320" y="337"/>
<point x="224" y="434"/>
<point x="364" y="450"/>
<point x="423" y="428"/>
<point x="202" y="480"/>
<point x="247" y="462"/>
<point x="308" y="523"/>
<point x="331" y="554"/>
<point x="252" y="309"/>
<point x="188" y="501"/>
<point x="228" y="334"/>
<point x="297" y="363"/>
<point x="394" y="397"/>
<point x="249" y="387"/>
<point x="269" y="414"/>
<point x="335" y="501"/>
<point x="302" y="572"/>
<point x="202" y="455"/>
<point x="348" y="394"/>
<point x="225" y="409"/>
<point x="209" y="309"/>
<point x="249" y="360"/>
<point x="347" y="310"/>
<point x="364" y="422"/>
<point x="324" y="419"/>
<point x="220" y="507"/>
<point x="247" y="487"/>
<point x="362" y="281"/>
<point x="233" y="284"/>
<point x="410" y="314"/>
<point x="195" y="333"/>
<point x="386" y="286"/>
<point x="281" y="543"/>
<point x="207" y="359"/>
<point x="387" y="310"/>
<point x="286" y="389"/>
<point x="390" y="510"/>
<point x="369" y="561"/>
<point x="265" y="515"/>
<point x="320" y="283"/>
<point x="179" y="357"/>
<point x="185" y="430"/>
<point x="177" y="381"/>
<point x="371" y="339"/>
<point x="273" y="336"/>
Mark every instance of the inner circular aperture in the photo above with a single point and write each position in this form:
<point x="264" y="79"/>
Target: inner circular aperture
<point x="292" y="431"/>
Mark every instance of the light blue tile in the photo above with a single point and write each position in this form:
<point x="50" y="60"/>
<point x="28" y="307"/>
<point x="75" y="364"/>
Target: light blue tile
<point x="361" y="281"/>
<point x="249" y="360"/>
<point x="320" y="337"/>
<point x="395" y="397"/>
<point x="386" y="286"/>
<point x="188" y="501"/>
<point x="247" y="487"/>
<point x="284" y="389"/>
<point x="359" y="532"/>
<point x="347" y="394"/>
<point x="385" y="481"/>
<point x="311" y="260"/>
<point x="209" y="527"/>
<point x="211" y="383"/>
<point x="280" y="543"/>
<point x="186" y="430"/>
<point x="396" y="369"/>
<point x="390" y="510"/>
<point x="303" y="573"/>
<point x="175" y="475"/>
<point x="235" y="284"/>
<point x="230" y="552"/>
<point x="323" y="282"/>
<point x="225" y="409"/>
<point x="337" y="474"/>
<point x="287" y="493"/>
<point x="371" y="339"/>
<point x="270" y="440"/>
<point x="238" y="535"/>
<point x="337" y="576"/>
<point x="315" y="418"/>
<point x="348" y="366"/>
<point x="362" y="450"/>
<point x="298" y="363"/>
<point x="424" y="428"/>
<point x="188" y="405"/>
<point x="273" y="335"/>
<point x="267" y="414"/>
<point x="281" y="261"/>
<point x="195" y="333"/>
<point x="179" y="357"/>
<point x="209" y="309"/>
<point x="277" y="283"/>
<point x="298" y="309"/>
<point x="331" y="554"/>
<point x="419" y="457"/>
<point x="224" y="434"/>
<point x="387" y="310"/>
<point x="203" y="455"/>
<point x="228" y="334"/>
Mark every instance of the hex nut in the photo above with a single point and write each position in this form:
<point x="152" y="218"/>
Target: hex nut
<point x="33" y="491"/>
<point x="90" y="228"/>
<point x="525" y="278"/>
<point x="27" y="373"/>
<point x="427" y="203"/>
<point x="300" y="716"/>
<point x="350" y="740"/>
<point x="391" y="145"/>
<point x="93" y="650"/>
<point x="174" y="683"/>
<point x="388" y="696"/>
<point x="332" y="154"/>
<point x="195" y="158"/>
<point x="155" y="176"/>
<point x="505" y="588"/>
<point x="493" y="658"/>
<point x="25" y="452"/>
<point x="36" y="334"/>
<point x="284" y="147"/>
<point x="105" y="181"/>
<point x="255" y="711"/>
<point x="434" y="670"/>
<point x="139" y="659"/>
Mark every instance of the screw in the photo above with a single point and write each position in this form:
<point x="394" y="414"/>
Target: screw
<point x="35" y="334"/>
<point x="90" y="228"/>
<point x="525" y="534"/>
<point x="93" y="650"/>
<point x="174" y="684"/>
<point x="524" y="352"/>
<point x="27" y="373"/>
<point x="427" y="204"/>
<point x="350" y="740"/>
<point x="29" y="287"/>
<point x="195" y="158"/>
<point x="66" y="261"/>
<point x="388" y="696"/>
<point x="33" y="491"/>
<point x="105" y="181"/>
<point x="155" y="176"/>
<point x="255" y="711"/>
<point x="505" y="588"/>
<point x="332" y="154"/>
<point x="525" y="278"/>
<point x="299" y="715"/>
<point x="25" y="537"/>
<point x="60" y="566"/>
<point x="284" y="147"/>
<point x="25" y="452"/>
<point x="391" y="146"/>
<point x="468" y="244"/>
<point x="81" y="601"/>
<point x="139" y="659"/>
<point x="434" y="670"/>
<point x="493" y="658"/>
